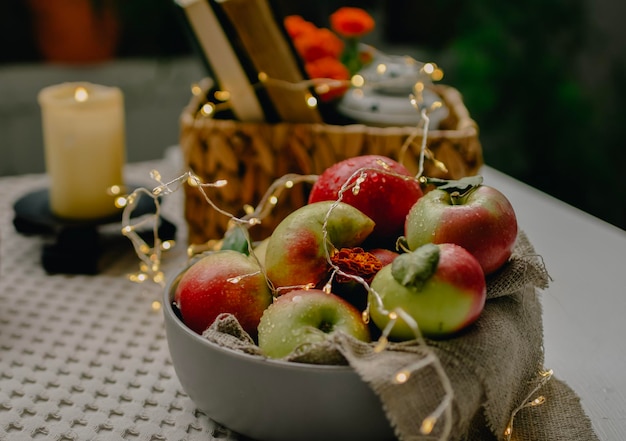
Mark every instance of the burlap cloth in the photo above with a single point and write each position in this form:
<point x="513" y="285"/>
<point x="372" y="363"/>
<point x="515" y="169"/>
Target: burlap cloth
<point x="494" y="368"/>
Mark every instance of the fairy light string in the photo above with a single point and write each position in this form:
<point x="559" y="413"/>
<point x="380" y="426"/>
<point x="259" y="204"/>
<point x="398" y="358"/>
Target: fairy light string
<point x="544" y="377"/>
<point x="150" y="256"/>
<point x="427" y="73"/>
<point x="150" y="270"/>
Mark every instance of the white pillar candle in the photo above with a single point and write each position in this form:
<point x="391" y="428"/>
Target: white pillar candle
<point x="84" y="144"/>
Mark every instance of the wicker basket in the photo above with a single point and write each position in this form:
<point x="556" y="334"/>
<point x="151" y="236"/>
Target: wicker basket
<point x="251" y="156"/>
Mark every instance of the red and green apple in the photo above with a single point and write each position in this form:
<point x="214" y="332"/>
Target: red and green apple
<point x="304" y="317"/>
<point x="441" y="287"/>
<point x="380" y="187"/>
<point x="224" y="281"/>
<point x="296" y="251"/>
<point x="477" y="217"/>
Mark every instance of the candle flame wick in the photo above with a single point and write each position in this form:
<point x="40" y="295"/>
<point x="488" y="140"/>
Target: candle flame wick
<point x="80" y="94"/>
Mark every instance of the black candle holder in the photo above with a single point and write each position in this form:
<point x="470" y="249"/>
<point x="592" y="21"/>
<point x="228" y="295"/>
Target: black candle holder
<point x="78" y="245"/>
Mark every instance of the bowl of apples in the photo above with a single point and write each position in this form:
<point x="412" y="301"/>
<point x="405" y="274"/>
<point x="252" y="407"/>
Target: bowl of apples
<point x="331" y="266"/>
<point x="270" y="399"/>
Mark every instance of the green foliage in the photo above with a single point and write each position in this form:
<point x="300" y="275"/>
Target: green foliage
<point x="518" y="68"/>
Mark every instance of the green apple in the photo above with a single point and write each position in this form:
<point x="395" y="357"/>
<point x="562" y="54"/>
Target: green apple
<point x="441" y="287"/>
<point x="303" y="317"/>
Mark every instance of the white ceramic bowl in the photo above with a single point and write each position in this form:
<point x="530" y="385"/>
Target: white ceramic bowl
<point x="272" y="400"/>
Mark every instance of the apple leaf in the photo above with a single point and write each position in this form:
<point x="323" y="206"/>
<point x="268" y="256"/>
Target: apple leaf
<point x="236" y="239"/>
<point x="413" y="269"/>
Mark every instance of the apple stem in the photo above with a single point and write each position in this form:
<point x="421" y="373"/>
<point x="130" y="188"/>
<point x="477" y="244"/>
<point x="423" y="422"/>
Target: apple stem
<point x="457" y="189"/>
<point x="456" y="198"/>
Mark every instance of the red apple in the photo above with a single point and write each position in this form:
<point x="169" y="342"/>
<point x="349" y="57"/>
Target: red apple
<point x="441" y="287"/>
<point x="477" y="217"/>
<point x="305" y="317"/>
<point x="386" y="194"/>
<point x="223" y="282"/>
<point x="384" y="255"/>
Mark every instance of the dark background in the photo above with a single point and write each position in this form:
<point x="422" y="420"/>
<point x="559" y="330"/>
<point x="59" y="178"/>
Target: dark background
<point x="544" y="79"/>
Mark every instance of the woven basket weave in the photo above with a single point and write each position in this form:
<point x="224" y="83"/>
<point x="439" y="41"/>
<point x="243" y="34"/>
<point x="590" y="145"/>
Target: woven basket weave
<point x="251" y="156"/>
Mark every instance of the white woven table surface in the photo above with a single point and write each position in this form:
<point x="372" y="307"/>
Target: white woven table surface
<point x="85" y="357"/>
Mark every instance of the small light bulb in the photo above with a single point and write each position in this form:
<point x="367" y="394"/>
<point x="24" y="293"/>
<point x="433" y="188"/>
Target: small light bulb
<point x="154" y="174"/>
<point x="159" y="277"/>
<point x="207" y="109"/>
<point x="436" y="105"/>
<point x="322" y="88"/>
<point x="311" y="101"/>
<point x="196" y="89"/>
<point x="80" y="94"/>
<point x="381" y="344"/>
<point x="193" y="181"/>
<point x="121" y="202"/>
<point x="402" y="377"/>
<point x="427" y="425"/>
<point x="508" y="431"/>
<point x="365" y="316"/>
<point x="222" y="95"/>
<point x="357" y="80"/>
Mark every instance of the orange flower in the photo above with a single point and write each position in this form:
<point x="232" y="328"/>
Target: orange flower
<point x="356" y="262"/>
<point x="318" y="43"/>
<point x="328" y="68"/>
<point x="295" y="26"/>
<point x="351" y="22"/>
